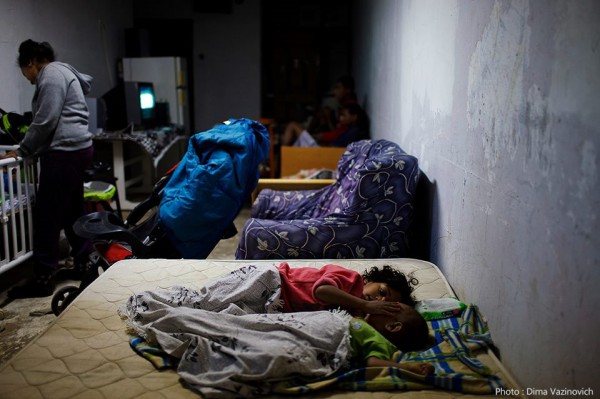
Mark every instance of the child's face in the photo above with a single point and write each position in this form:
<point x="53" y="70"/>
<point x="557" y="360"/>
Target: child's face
<point x="30" y="72"/>
<point x="380" y="292"/>
<point x="395" y="327"/>
<point x="346" y="118"/>
<point x="340" y="91"/>
<point x="381" y="322"/>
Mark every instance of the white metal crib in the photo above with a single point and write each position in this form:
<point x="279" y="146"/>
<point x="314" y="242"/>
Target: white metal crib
<point x="18" y="186"/>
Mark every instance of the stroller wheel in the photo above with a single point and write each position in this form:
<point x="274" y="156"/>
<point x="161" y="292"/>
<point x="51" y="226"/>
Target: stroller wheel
<point x="63" y="298"/>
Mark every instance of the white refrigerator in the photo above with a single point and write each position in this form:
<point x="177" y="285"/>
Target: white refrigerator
<point x="169" y="77"/>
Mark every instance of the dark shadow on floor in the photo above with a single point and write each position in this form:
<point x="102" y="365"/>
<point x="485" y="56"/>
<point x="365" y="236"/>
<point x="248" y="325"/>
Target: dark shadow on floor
<point x="420" y="236"/>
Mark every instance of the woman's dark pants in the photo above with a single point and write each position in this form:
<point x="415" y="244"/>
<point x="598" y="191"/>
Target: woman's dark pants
<point x="59" y="203"/>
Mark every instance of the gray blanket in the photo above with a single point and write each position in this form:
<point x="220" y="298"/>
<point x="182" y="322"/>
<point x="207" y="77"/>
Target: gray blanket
<point x="226" y="351"/>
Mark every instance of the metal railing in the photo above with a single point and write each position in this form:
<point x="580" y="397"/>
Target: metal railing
<point x="18" y="187"/>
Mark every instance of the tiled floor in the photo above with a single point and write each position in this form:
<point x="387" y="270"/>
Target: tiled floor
<point x="24" y="319"/>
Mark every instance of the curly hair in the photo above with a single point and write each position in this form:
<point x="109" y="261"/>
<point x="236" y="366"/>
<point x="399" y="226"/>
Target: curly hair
<point x="395" y="279"/>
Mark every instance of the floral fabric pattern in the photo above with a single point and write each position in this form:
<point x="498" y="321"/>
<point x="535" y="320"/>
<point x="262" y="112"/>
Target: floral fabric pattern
<point x="366" y="213"/>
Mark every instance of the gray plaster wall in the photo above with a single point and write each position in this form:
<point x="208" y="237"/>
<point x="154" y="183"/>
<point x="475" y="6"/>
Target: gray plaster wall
<point x="499" y="101"/>
<point x="87" y="34"/>
<point x="226" y="61"/>
<point x="227" y="64"/>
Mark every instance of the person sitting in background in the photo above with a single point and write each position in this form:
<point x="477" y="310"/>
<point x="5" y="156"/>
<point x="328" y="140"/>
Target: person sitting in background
<point x="354" y="123"/>
<point x="326" y="119"/>
<point x="344" y="94"/>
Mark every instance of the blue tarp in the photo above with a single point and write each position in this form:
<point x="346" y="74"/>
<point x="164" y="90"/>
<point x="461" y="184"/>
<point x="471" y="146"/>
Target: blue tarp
<point x="207" y="190"/>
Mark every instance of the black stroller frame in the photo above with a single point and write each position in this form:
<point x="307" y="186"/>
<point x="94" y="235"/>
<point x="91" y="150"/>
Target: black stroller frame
<point x="140" y="231"/>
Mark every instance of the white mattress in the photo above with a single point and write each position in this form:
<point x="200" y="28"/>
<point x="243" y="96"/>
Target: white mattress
<point x="85" y="353"/>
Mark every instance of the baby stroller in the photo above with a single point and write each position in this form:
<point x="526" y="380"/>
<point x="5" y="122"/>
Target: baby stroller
<point x="138" y="236"/>
<point x="190" y="209"/>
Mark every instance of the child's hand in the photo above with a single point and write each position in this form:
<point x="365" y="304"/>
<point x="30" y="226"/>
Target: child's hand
<point x="382" y="307"/>
<point x="418" y="368"/>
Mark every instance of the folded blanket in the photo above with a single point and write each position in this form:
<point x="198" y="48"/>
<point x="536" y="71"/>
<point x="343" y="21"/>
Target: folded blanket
<point x="233" y="353"/>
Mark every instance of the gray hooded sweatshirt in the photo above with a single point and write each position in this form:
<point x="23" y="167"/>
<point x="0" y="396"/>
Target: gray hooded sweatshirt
<point x="60" y="114"/>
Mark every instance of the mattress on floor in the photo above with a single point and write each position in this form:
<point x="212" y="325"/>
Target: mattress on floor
<point x="85" y="353"/>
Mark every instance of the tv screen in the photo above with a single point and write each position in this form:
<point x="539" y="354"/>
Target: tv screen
<point x="147" y="103"/>
<point x="130" y="103"/>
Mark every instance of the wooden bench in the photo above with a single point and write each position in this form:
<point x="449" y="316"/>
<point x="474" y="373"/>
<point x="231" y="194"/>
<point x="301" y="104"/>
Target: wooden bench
<point x="295" y="159"/>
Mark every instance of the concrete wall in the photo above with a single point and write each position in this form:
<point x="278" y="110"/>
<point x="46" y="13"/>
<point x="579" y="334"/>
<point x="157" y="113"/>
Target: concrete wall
<point x="226" y="58"/>
<point x="499" y="101"/>
<point x="227" y="67"/>
<point x="89" y="35"/>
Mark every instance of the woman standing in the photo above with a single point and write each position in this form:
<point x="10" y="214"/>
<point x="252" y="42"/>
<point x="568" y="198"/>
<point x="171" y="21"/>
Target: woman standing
<point x="59" y="135"/>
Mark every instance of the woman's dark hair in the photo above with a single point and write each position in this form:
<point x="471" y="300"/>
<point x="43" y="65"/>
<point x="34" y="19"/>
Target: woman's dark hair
<point x="33" y="51"/>
<point x="395" y="279"/>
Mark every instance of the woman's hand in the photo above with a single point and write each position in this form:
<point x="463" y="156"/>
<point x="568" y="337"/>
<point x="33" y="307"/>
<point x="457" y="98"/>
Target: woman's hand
<point x="10" y="154"/>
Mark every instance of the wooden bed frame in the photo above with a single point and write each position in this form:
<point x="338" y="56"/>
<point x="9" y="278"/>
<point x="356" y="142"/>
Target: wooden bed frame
<point x="295" y="159"/>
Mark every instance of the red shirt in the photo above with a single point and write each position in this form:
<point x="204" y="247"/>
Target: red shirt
<point x="330" y="136"/>
<point x="298" y="285"/>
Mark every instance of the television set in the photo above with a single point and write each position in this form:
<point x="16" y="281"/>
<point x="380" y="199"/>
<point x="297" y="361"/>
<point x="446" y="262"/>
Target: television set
<point x="130" y="103"/>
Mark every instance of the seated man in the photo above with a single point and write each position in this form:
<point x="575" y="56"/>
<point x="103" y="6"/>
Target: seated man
<point x="353" y="126"/>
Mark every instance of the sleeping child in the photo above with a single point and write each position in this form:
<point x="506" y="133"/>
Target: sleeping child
<point x="272" y="289"/>
<point x="232" y="352"/>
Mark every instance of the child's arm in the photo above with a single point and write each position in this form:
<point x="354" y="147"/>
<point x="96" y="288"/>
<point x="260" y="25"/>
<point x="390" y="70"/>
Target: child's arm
<point x="334" y="296"/>
<point x="417" y="368"/>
